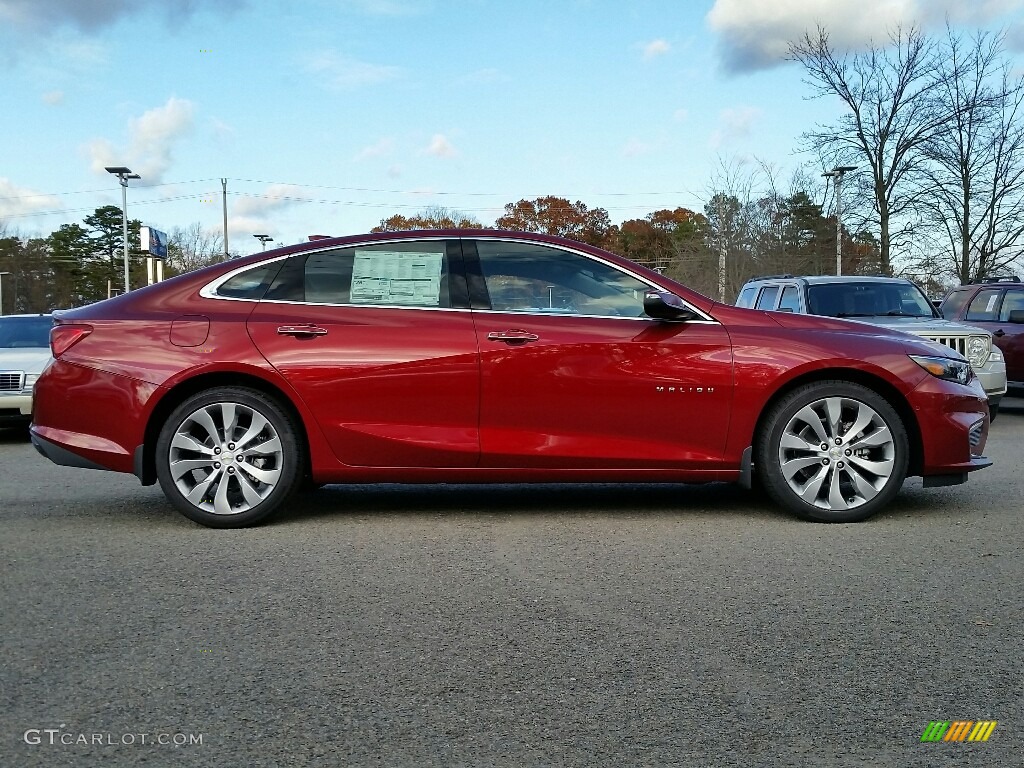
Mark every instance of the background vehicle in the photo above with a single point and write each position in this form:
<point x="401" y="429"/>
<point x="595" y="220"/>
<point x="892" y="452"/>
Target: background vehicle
<point x="24" y="352"/>
<point x="998" y="307"/>
<point x="475" y="356"/>
<point x="890" y="302"/>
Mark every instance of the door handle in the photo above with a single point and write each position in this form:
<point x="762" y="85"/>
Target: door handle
<point x="512" y="337"/>
<point x="302" y="330"/>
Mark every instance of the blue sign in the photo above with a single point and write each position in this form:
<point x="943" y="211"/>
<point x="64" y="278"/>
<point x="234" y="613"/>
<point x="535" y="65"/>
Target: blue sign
<point x="154" y="242"/>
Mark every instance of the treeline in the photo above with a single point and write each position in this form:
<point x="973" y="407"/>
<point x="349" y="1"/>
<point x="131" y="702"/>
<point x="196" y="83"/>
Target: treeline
<point x="83" y="263"/>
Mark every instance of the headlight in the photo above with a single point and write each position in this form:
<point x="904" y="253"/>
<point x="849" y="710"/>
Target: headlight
<point x="945" y="368"/>
<point x="978" y="348"/>
<point x="30" y="381"/>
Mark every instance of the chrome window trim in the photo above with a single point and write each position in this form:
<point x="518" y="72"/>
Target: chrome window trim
<point x="209" y="291"/>
<point x="559" y="247"/>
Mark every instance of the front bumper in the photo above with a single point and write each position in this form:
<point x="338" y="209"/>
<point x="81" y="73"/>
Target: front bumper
<point x="992" y="376"/>
<point x="15" y="406"/>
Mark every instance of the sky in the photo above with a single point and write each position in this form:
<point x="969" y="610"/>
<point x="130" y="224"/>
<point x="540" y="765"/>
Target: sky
<point x="327" y="116"/>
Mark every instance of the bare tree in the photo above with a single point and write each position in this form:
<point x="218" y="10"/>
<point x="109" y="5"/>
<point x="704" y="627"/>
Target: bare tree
<point x="193" y="247"/>
<point x="892" y="109"/>
<point x="975" y="183"/>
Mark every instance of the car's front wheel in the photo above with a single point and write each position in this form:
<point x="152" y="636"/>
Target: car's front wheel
<point x="229" y="457"/>
<point x="832" y="451"/>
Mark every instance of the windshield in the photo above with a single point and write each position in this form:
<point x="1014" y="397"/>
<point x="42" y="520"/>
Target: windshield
<point x="25" y="332"/>
<point x="868" y="299"/>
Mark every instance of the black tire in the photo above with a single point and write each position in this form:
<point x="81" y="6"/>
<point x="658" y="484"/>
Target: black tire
<point x="231" y="484"/>
<point x="838" y="483"/>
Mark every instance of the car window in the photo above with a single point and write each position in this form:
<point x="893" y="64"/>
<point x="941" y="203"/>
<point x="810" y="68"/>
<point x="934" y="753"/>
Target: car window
<point x="953" y="303"/>
<point x="874" y="298"/>
<point x="523" y="277"/>
<point x="407" y="274"/>
<point x="790" y="300"/>
<point x="1013" y="300"/>
<point x="983" y="308"/>
<point x="767" y="298"/>
<point x="251" y="284"/>
<point x="25" y="332"/>
<point x="746" y="297"/>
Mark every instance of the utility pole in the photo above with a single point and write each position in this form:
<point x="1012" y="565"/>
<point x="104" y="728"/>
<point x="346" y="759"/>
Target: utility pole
<point x="224" y="189"/>
<point x="123" y="174"/>
<point x="837" y="174"/>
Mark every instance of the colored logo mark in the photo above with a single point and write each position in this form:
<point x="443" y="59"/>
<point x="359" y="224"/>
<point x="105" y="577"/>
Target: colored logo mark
<point x="959" y="730"/>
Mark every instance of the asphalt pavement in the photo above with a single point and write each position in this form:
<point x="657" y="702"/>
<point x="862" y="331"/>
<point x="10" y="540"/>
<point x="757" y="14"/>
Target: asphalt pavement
<point x="611" y="625"/>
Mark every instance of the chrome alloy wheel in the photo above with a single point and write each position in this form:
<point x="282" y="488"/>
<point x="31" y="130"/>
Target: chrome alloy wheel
<point x="837" y="453"/>
<point x="225" y="458"/>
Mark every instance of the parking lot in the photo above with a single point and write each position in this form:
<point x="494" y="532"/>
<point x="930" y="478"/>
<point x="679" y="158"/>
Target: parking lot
<point x="509" y="626"/>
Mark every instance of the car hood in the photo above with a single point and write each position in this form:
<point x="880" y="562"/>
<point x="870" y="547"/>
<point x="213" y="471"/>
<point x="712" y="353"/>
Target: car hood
<point x="29" y="360"/>
<point x="932" y="326"/>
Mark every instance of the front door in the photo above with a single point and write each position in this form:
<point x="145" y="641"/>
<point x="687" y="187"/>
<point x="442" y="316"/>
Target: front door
<point x="574" y="374"/>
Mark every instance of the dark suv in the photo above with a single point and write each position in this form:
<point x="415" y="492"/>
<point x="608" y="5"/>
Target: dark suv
<point x="996" y="305"/>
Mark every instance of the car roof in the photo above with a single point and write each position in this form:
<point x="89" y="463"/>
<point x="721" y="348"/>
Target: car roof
<point x="824" y="279"/>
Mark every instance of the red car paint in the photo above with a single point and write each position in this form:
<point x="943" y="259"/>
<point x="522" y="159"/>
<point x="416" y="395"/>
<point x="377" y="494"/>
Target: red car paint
<point x="421" y="395"/>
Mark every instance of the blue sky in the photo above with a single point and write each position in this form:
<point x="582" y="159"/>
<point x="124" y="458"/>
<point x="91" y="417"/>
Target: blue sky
<point x="326" y="116"/>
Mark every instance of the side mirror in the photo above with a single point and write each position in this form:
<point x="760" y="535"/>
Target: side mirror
<point x="1016" y="315"/>
<point x="662" y="305"/>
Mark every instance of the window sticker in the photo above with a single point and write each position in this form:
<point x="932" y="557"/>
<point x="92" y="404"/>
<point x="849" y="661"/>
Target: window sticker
<point x="397" y="277"/>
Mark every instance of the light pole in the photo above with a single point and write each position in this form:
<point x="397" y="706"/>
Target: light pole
<point x="123" y="174"/>
<point x="2" y="291"/>
<point x="264" y="239"/>
<point x="837" y="174"/>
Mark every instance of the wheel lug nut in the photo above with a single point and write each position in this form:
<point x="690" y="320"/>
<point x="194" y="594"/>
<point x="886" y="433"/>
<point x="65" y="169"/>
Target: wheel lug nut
<point x="240" y="458"/>
<point x="216" y="465"/>
<point x="825" y="462"/>
<point x="824" y="446"/>
<point x="839" y="441"/>
<point x="231" y="470"/>
<point x="840" y="465"/>
<point x="231" y="446"/>
<point x="849" y="452"/>
<point x="217" y="451"/>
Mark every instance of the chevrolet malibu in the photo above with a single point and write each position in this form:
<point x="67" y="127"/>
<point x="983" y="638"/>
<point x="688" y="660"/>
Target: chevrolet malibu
<point x="490" y="356"/>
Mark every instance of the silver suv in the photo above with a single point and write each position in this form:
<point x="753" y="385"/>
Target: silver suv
<point x="24" y="352"/>
<point x="891" y="302"/>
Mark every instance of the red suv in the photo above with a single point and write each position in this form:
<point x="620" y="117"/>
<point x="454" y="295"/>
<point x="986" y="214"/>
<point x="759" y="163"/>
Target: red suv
<point x="997" y="305"/>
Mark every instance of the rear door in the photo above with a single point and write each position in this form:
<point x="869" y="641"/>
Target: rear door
<point x="574" y="374"/>
<point x="378" y="341"/>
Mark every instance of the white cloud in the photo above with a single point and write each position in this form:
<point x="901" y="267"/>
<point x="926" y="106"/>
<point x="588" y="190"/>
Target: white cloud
<point x="735" y="124"/>
<point x="440" y="147"/>
<point x="379" y="148"/>
<point x="21" y="201"/>
<point x="274" y="198"/>
<point x="151" y="140"/>
<point x="656" y="48"/>
<point x="755" y="34"/>
<point x="53" y="98"/>
<point x="342" y="72"/>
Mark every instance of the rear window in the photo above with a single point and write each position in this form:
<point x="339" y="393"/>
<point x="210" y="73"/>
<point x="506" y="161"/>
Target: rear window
<point x="251" y="284"/>
<point x="25" y="332"/>
<point x="746" y="298"/>
<point x="767" y="298"/>
<point x="984" y="306"/>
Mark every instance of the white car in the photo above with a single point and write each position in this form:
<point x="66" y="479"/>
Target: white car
<point x="891" y="302"/>
<point x="24" y="353"/>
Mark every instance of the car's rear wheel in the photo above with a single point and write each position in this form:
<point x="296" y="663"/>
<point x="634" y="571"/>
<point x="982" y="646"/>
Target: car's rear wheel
<point x="228" y="457"/>
<point x="833" y="451"/>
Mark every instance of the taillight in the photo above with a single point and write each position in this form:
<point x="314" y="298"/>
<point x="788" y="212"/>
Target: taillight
<point x="64" y="337"/>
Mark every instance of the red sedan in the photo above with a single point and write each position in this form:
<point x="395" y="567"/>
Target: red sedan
<point x="476" y="356"/>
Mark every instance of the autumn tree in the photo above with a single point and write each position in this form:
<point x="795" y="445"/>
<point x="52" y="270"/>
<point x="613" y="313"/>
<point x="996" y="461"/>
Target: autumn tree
<point x="661" y="238"/>
<point x="557" y="216"/>
<point x="435" y="217"/>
